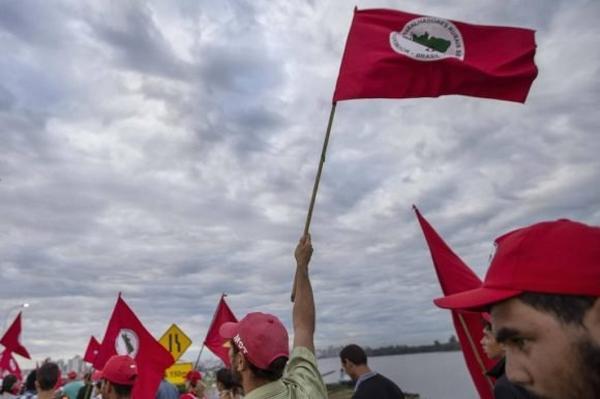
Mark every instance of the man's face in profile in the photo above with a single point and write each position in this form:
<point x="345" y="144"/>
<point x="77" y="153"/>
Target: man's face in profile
<point x="549" y="358"/>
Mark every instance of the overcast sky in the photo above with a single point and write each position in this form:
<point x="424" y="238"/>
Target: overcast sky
<point x="168" y="150"/>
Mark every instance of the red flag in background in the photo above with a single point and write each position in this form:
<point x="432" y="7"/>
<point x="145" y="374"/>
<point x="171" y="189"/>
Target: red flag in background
<point x="126" y="335"/>
<point x="8" y="365"/>
<point x="92" y="350"/>
<point x="455" y="276"/>
<point x="393" y="54"/>
<point x="11" y="338"/>
<point x="213" y="340"/>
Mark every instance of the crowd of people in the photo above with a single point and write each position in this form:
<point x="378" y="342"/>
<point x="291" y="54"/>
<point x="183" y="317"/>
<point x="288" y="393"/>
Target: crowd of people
<point x="539" y="301"/>
<point x="116" y="380"/>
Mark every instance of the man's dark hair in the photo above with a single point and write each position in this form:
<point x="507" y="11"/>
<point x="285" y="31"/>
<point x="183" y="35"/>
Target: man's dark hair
<point x="30" y="381"/>
<point x="7" y="383"/>
<point x="354" y="353"/>
<point x="122" y="390"/>
<point x="569" y="309"/>
<point x="47" y="376"/>
<point x="226" y="377"/>
<point x="273" y="373"/>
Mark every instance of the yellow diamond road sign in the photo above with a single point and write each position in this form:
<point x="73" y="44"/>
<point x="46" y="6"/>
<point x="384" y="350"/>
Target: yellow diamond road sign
<point x="175" y="341"/>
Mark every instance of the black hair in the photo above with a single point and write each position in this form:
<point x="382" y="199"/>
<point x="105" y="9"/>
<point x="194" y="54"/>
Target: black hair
<point x="122" y="390"/>
<point x="47" y="376"/>
<point x="7" y="383"/>
<point x="569" y="309"/>
<point x="226" y="377"/>
<point x="30" y="381"/>
<point x="272" y="373"/>
<point x="354" y="353"/>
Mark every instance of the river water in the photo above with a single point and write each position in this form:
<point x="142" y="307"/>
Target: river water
<point x="439" y="375"/>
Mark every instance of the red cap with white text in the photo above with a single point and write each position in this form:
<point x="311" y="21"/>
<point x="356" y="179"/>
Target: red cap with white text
<point x="557" y="257"/>
<point x="260" y="337"/>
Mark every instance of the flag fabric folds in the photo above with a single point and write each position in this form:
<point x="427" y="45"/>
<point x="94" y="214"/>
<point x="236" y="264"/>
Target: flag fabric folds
<point x="126" y="335"/>
<point x="455" y="276"/>
<point x="8" y="365"/>
<point x="393" y="54"/>
<point x="213" y="340"/>
<point x="92" y="350"/>
<point x="11" y="339"/>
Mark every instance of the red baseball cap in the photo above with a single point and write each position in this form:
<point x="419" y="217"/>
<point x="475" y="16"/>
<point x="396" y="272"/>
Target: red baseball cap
<point x="72" y="374"/>
<point x="555" y="257"/>
<point x="97" y="375"/>
<point x="261" y="337"/>
<point x="193" y="376"/>
<point x="120" y="370"/>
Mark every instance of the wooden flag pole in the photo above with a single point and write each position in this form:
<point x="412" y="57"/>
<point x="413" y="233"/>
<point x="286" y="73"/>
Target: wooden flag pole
<point x="316" y="186"/>
<point x="198" y="358"/>
<point x="223" y="295"/>
<point x="475" y="352"/>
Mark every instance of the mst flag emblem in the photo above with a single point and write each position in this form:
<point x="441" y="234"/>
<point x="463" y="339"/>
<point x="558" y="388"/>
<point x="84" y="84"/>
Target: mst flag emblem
<point x="428" y="39"/>
<point x="127" y="343"/>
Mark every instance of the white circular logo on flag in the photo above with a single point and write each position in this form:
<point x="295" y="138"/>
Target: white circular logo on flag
<point x="127" y="343"/>
<point x="429" y="39"/>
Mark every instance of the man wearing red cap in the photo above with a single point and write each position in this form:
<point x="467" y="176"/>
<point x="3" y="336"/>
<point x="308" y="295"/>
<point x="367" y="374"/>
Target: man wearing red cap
<point x="193" y="386"/>
<point x="259" y="346"/>
<point x="542" y="288"/>
<point x="118" y="377"/>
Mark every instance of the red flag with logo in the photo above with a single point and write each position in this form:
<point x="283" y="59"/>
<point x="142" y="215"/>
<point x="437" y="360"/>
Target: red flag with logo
<point x="8" y="365"/>
<point x="126" y="335"/>
<point x="393" y="54"/>
<point x="455" y="276"/>
<point x="11" y="338"/>
<point x="92" y="350"/>
<point x="213" y="340"/>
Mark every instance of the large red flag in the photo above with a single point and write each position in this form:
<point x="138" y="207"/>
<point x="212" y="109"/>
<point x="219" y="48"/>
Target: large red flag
<point x="393" y="54"/>
<point x="11" y="338"/>
<point x="213" y="340"/>
<point x="92" y="350"/>
<point x="8" y="365"/>
<point x="455" y="276"/>
<point x="126" y="335"/>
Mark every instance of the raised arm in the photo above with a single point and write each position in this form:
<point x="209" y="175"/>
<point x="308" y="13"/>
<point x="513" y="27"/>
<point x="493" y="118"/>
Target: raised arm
<point x="304" y="304"/>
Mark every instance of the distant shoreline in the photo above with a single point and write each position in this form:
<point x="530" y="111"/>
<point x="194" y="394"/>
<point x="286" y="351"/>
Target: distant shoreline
<point x="450" y="346"/>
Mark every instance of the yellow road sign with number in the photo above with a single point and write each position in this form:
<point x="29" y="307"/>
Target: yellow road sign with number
<point x="175" y="341"/>
<point x="177" y="372"/>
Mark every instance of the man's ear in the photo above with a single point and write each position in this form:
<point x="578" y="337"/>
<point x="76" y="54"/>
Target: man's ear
<point x="242" y="363"/>
<point x="591" y="321"/>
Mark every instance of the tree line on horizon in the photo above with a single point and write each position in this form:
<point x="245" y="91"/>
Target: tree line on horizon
<point x="451" y="345"/>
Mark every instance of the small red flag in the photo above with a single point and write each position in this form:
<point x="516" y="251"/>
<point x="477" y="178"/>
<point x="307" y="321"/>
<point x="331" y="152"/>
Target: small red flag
<point x="11" y="338"/>
<point x="213" y="340"/>
<point x="126" y="335"/>
<point x="8" y="365"/>
<point x="455" y="276"/>
<point x="393" y="54"/>
<point x="92" y="350"/>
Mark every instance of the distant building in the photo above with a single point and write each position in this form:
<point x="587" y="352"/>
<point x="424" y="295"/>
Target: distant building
<point x="75" y="363"/>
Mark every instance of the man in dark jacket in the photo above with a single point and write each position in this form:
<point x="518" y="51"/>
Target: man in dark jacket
<point x="368" y="384"/>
